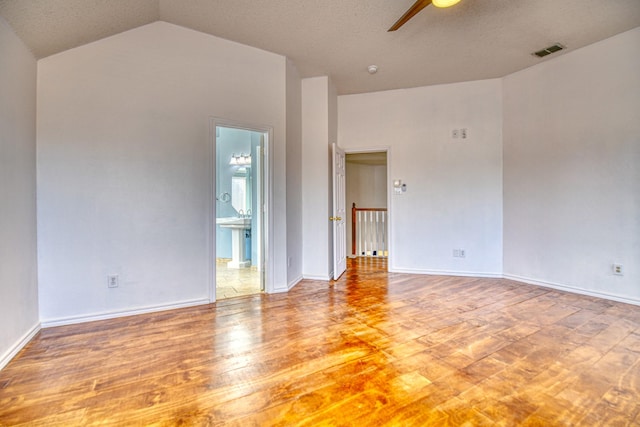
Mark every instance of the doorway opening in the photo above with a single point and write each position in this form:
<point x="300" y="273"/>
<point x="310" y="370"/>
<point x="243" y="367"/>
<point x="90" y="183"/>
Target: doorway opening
<point x="367" y="206"/>
<point x="240" y="232"/>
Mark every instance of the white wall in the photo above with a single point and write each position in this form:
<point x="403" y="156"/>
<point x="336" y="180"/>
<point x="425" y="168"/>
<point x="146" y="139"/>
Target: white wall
<point x="294" y="175"/>
<point x="18" y="267"/>
<point x="366" y="186"/>
<point x="572" y="169"/>
<point x="318" y="127"/>
<point x="124" y="147"/>
<point x="332" y="124"/>
<point x="454" y="186"/>
<point x="315" y="191"/>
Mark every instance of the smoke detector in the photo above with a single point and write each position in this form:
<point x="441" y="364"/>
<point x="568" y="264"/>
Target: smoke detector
<point x="372" y="69"/>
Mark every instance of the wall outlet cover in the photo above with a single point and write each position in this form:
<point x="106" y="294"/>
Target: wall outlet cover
<point x="618" y="269"/>
<point x="112" y="281"/>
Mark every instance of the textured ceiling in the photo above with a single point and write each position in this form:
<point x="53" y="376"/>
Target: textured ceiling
<point x="476" y="39"/>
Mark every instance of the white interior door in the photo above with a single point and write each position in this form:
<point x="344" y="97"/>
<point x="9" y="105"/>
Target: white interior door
<point x="339" y="213"/>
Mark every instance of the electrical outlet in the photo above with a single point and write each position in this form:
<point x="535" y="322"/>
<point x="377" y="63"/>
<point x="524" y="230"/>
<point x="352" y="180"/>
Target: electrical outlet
<point x="463" y="133"/>
<point x="458" y="253"/>
<point x="618" y="270"/>
<point x="112" y="281"/>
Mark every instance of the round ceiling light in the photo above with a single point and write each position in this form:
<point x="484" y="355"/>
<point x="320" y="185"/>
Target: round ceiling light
<point x="372" y="69"/>
<point x="444" y="3"/>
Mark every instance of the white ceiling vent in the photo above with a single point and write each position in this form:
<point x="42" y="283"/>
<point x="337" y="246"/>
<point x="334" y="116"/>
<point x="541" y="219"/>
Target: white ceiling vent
<point x="548" y="50"/>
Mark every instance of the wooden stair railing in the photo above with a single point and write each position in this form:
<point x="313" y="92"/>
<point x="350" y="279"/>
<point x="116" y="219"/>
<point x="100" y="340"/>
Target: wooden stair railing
<point x="369" y="231"/>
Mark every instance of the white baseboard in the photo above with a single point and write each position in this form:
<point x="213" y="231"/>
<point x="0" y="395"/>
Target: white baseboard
<point x="122" y="313"/>
<point x="280" y="290"/>
<point x="572" y="289"/>
<point x="19" y="345"/>
<point x="294" y="282"/>
<point x="311" y="277"/>
<point x="447" y="273"/>
<point x="522" y="279"/>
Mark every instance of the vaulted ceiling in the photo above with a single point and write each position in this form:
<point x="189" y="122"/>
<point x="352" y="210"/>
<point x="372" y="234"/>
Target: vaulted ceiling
<point x="476" y="39"/>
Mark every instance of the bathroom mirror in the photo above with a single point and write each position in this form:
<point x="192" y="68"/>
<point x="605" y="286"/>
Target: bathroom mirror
<point x="241" y="191"/>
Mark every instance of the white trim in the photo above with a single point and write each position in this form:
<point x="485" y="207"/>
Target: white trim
<point x="522" y="279"/>
<point x="323" y="278"/>
<point x="114" y="314"/>
<point x="290" y="286"/>
<point x="294" y="282"/>
<point x="211" y="210"/>
<point x="572" y="289"/>
<point x="19" y="345"/>
<point x="447" y="273"/>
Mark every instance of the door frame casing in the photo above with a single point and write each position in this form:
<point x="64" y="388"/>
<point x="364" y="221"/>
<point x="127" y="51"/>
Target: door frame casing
<point x="383" y="149"/>
<point x="267" y="229"/>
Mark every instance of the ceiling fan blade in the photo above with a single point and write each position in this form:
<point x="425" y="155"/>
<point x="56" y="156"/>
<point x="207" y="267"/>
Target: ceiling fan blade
<point x="417" y="7"/>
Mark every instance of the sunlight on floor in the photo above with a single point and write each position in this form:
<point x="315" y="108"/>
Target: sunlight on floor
<point x="235" y="282"/>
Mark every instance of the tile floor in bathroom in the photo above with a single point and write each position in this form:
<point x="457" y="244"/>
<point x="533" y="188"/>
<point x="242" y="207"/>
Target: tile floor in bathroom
<point x="235" y="282"/>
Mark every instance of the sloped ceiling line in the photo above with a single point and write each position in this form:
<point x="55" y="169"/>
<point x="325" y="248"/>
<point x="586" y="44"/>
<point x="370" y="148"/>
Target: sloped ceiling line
<point x="474" y="40"/>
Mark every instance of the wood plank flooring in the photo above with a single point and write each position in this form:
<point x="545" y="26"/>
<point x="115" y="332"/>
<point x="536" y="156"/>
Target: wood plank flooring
<point x="372" y="348"/>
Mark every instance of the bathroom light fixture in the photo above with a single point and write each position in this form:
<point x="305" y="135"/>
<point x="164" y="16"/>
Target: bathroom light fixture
<point x="240" y="160"/>
<point x="444" y="3"/>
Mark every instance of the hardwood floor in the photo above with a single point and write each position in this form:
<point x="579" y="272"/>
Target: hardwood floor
<point x="373" y="348"/>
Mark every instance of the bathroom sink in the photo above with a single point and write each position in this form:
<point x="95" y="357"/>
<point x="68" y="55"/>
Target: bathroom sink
<point x="237" y="226"/>
<point x="234" y="222"/>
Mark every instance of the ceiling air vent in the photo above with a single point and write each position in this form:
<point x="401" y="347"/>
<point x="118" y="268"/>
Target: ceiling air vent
<point x="548" y="50"/>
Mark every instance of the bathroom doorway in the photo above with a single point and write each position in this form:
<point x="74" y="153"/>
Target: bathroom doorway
<point x="239" y="211"/>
